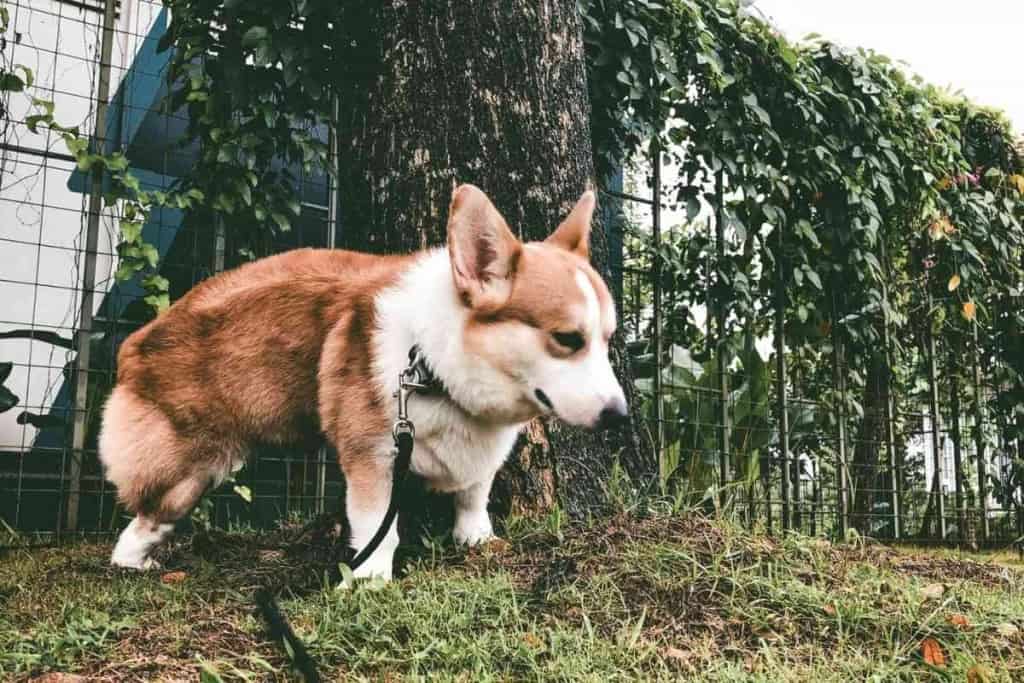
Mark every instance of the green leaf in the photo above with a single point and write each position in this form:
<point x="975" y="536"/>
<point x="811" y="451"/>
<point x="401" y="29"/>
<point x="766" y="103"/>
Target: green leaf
<point x="75" y="145"/>
<point x="7" y="399"/>
<point x="87" y="161"/>
<point x="126" y="270"/>
<point x="131" y="231"/>
<point x="158" y="302"/>
<point x="254" y="35"/>
<point x="32" y="122"/>
<point x="244" y="192"/>
<point x="117" y="162"/>
<point x="151" y="255"/>
<point x="11" y="83"/>
<point x="282" y="221"/>
<point x="156" y="283"/>
<point x="814" y="278"/>
<point x="5" y="370"/>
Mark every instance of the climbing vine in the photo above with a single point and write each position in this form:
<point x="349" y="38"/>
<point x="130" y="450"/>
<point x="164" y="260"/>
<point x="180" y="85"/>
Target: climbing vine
<point x="882" y="203"/>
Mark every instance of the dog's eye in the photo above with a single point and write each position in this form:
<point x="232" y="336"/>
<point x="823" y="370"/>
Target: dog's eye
<point x="570" y="340"/>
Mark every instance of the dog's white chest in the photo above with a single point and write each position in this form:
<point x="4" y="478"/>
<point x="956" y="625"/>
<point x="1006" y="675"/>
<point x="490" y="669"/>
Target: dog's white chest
<point x="452" y="452"/>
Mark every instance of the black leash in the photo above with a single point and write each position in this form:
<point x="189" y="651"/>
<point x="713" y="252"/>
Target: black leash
<point x="416" y="377"/>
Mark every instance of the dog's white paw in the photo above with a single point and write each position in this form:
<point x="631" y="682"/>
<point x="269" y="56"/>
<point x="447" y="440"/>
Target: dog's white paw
<point x="473" y="529"/>
<point x="142" y="564"/>
<point x="377" y="567"/>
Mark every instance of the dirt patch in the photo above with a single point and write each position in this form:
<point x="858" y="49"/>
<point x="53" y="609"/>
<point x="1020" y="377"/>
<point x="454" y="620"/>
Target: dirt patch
<point x="950" y="569"/>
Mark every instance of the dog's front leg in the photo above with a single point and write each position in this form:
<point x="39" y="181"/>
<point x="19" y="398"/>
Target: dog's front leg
<point x="368" y="493"/>
<point x="472" y="523"/>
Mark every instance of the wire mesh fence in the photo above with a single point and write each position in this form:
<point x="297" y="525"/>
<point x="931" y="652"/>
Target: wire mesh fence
<point x="789" y="436"/>
<point x="798" y="435"/>
<point x="63" y="314"/>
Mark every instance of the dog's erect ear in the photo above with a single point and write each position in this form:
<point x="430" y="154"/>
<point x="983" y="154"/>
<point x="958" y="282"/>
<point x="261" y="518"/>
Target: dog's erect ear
<point x="574" y="232"/>
<point x="483" y="251"/>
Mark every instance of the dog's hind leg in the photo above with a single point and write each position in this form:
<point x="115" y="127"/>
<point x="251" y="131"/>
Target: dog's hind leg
<point x="149" y="529"/>
<point x="137" y="541"/>
<point x="160" y="474"/>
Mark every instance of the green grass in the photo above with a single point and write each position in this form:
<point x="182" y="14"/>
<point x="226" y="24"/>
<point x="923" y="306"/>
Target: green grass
<point x="622" y="598"/>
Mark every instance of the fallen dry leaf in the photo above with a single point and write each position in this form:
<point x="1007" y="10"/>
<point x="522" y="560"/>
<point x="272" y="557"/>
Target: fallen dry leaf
<point x="829" y="610"/>
<point x="959" y="620"/>
<point x="1007" y="630"/>
<point x="59" y="678"/>
<point x="497" y="545"/>
<point x="933" y="591"/>
<point x="932" y="654"/>
<point x="173" y="577"/>
<point x="979" y="674"/>
<point x="676" y="653"/>
<point x="532" y="640"/>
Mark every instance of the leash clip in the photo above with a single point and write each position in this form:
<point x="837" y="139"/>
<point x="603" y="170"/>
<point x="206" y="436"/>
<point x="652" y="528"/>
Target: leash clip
<point x="410" y="380"/>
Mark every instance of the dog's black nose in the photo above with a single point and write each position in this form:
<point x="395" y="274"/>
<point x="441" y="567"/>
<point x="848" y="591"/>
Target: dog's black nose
<point x="614" y="415"/>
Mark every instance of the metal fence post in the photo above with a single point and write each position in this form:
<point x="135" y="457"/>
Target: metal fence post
<point x="1020" y="505"/>
<point x="724" y="428"/>
<point x="1020" y="489"/>
<point x="320" y="482"/>
<point x="895" y="461"/>
<point x="781" y="400"/>
<point x="958" y="465"/>
<point x="85" y="312"/>
<point x="656" y="321"/>
<point x="979" y="442"/>
<point x="220" y="240"/>
<point x="933" y="396"/>
<point x="839" y="385"/>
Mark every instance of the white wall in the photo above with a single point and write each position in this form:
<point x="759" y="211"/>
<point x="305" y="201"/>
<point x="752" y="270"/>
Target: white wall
<point x="42" y="222"/>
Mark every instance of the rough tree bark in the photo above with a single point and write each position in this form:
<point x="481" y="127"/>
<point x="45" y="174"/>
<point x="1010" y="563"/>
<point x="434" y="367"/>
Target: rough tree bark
<point x="869" y="443"/>
<point x="439" y="93"/>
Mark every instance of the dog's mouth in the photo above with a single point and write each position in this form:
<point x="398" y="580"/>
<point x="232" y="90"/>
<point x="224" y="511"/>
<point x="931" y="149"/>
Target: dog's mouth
<point x="543" y="399"/>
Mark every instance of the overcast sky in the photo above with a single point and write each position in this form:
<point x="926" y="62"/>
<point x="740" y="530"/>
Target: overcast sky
<point x="975" y="46"/>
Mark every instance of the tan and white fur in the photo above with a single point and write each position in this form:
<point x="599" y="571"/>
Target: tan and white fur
<point x="311" y="342"/>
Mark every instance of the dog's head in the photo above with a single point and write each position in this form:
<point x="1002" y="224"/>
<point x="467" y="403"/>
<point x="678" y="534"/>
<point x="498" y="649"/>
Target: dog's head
<point x="540" y="317"/>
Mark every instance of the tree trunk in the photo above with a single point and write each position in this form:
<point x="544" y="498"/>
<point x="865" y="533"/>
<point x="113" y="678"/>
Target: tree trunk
<point x="870" y="440"/>
<point x="440" y="93"/>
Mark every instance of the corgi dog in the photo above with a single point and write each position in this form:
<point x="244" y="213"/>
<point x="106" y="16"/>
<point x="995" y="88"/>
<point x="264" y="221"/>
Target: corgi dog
<point x="311" y="342"/>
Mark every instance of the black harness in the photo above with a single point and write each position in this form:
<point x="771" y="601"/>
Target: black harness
<point x="416" y="378"/>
